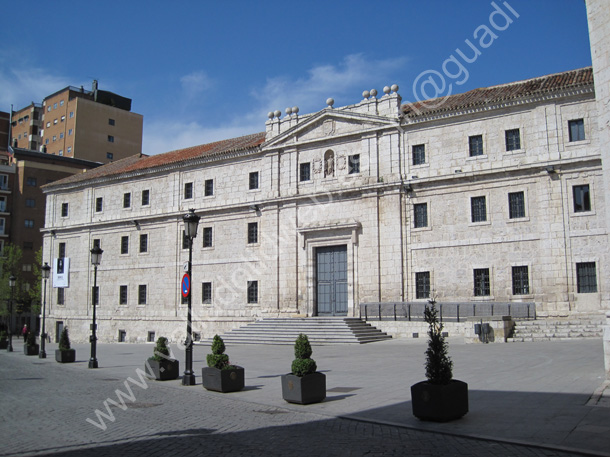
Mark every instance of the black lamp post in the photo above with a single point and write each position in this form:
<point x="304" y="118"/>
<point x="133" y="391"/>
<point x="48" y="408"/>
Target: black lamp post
<point x="46" y="270"/>
<point x="96" y="258"/>
<point x="11" y="283"/>
<point x="191" y="221"/>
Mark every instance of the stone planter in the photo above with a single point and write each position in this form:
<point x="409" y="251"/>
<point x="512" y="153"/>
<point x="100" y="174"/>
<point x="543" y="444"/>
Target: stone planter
<point x="439" y="403"/>
<point x="67" y="356"/>
<point x="163" y="370"/>
<point x="310" y="388"/>
<point x="31" y="350"/>
<point x="223" y="380"/>
<point x="3" y="344"/>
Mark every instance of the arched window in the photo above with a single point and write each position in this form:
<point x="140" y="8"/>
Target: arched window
<point x="329" y="163"/>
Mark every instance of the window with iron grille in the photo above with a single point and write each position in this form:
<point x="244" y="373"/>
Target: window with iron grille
<point x="481" y="282"/>
<point x="208" y="187"/>
<point x="475" y="145"/>
<point x="188" y="190"/>
<point x="516" y="205"/>
<point x="61" y="296"/>
<point x="127" y="200"/>
<point x="97" y="243"/>
<point x="521" y="282"/>
<point x="513" y="139"/>
<point x="253" y="180"/>
<point x="122" y="295"/>
<point x="124" y="245"/>
<point x="185" y="240"/>
<point x="64" y="210"/>
<point x="478" y="210"/>
<point x="206" y="293"/>
<point x="96" y="295"/>
<point x="145" y="197"/>
<point x="252" y="232"/>
<point x="252" y="291"/>
<point x="419" y="154"/>
<point x="576" y="129"/>
<point x="144" y="243"/>
<point x="422" y="284"/>
<point x="586" y="278"/>
<point x="142" y="294"/>
<point x="305" y="171"/>
<point x="99" y="204"/>
<point x="207" y="237"/>
<point x="420" y="215"/>
<point x="354" y="164"/>
<point x="582" y="198"/>
<point x="61" y="250"/>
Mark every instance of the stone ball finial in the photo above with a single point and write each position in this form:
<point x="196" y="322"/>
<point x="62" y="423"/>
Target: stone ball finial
<point x="366" y="94"/>
<point x="394" y="88"/>
<point x="386" y="90"/>
<point x="295" y="110"/>
<point x="289" y="111"/>
<point x="330" y="102"/>
<point x="278" y="113"/>
<point x="373" y="92"/>
<point x="270" y="114"/>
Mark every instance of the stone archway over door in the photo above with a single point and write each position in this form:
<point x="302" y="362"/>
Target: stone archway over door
<point x="331" y="280"/>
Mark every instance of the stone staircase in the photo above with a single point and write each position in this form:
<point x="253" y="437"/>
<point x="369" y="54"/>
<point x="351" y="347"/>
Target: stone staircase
<point x="319" y="330"/>
<point x="559" y="328"/>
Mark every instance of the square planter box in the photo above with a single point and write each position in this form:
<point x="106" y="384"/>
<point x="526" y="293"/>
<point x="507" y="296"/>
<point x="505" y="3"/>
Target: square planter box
<point x="68" y="356"/>
<point x="31" y="350"/>
<point x="3" y="344"/>
<point x="439" y="403"/>
<point x="223" y="380"/>
<point x="310" y="388"/>
<point x="163" y="370"/>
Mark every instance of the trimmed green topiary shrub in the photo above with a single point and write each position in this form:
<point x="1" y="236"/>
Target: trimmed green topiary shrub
<point x="438" y="364"/>
<point x="64" y="340"/>
<point x="218" y="359"/>
<point x="161" y="351"/>
<point x="303" y="364"/>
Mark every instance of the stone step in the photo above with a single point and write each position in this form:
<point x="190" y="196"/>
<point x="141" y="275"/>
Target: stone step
<point x="558" y="329"/>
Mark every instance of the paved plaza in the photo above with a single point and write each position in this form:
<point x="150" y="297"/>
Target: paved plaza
<point x="526" y="399"/>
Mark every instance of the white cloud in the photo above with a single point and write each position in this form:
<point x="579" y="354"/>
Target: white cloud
<point x="196" y="82"/>
<point x="22" y="85"/>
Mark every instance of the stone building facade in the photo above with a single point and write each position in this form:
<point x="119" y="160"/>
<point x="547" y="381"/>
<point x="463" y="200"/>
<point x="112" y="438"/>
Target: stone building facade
<point x="492" y="195"/>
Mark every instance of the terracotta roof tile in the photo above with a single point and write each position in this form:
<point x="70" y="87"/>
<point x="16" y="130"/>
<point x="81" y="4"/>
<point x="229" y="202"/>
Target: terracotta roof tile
<point x="495" y="94"/>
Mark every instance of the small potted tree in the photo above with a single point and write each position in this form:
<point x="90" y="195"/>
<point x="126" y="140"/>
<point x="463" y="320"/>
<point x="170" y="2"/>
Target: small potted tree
<point x="441" y="398"/>
<point x="220" y="375"/>
<point x="65" y="354"/>
<point x="3" y="340"/>
<point x="30" y="347"/>
<point x="161" y="365"/>
<point x="304" y="385"/>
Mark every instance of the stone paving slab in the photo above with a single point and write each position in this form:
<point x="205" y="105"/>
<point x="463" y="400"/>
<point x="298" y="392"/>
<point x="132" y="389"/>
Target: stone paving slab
<point x="532" y="393"/>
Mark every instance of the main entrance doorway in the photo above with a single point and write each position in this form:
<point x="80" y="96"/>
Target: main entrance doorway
<point x="331" y="280"/>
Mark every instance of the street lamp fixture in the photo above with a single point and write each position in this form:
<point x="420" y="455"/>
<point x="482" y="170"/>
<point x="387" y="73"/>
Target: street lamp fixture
<point x="96" y="259"/>
<point x="191" y="221"/>
<point x="11" y="283"/>
<point x="46" y="270"/>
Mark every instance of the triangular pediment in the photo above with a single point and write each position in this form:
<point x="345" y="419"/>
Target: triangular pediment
<point x="327" y="124"/>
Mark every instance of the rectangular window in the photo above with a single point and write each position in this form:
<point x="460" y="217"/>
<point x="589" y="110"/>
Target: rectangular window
<point x="481" y="282"/>
<point x="110" y="121"/>
<point x="31" y="182"/>
<point x="582" y="198"/>
<point x="419" y="154"/>
<point x="124" y="245"/>
<point x="61" y="296"/>
<point x="151" y="337"/>
<point x="252" y="291"/>
<point x="521" y="283"/>
<point x="71" y="114"/>
<point x="188" y="190"/>
<point x="4" y="182"/>
<point x="475" y="145"/>
<point x="586" y="278"/>
<point x="252" y="232"/>
<point x="3" y="202"/>
<point x="185" y="240"/>
<point x="305" y="171"/>
<point x="253" y="180"/>
<point x="353" y="164"/>
<point x="61" y="250"/>
<point x="97" y="243"/>
<point x="122" y="295"/>
<point x="145" y="197"/>
<point x="422" y="284"/>
<point x="141" y="294"/>
<point x="109" y="155"/>
<point x="420" y="215"/>
<point x="127" y="200"/>
<point x="209" y="187"/>
<point x="70" y="131"/>
<point x="95" y="293"/>
<point x="577" y="130"/>
<point x="30" y="203"/>
<point x="478" y="210"/>
<point x="29" y="223"/>
<point x="516" y="205"/>
<point x="513" y="139"/>
<point x="122" y="336"/>
<point x="206" y="293"/>
<point x="143" y="243"/>
<point x="99" y="204"/>
<point x="110" y="139"/>
<point x="207" y="237"/>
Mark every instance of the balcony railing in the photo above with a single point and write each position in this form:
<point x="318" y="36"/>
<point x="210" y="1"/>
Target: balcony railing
<point x="447" y="311"/>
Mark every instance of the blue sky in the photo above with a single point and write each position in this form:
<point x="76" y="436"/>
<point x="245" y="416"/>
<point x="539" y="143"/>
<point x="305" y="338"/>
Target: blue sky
<point x="201" y="71"/>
